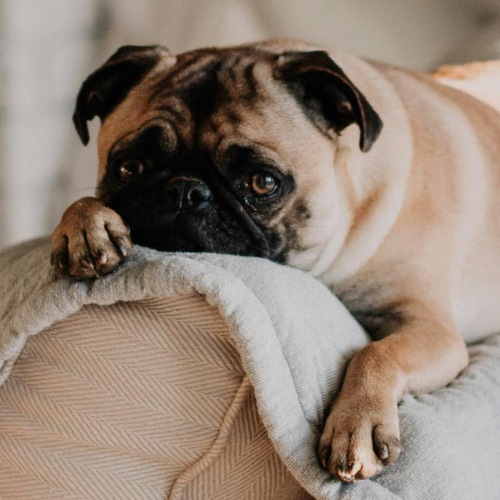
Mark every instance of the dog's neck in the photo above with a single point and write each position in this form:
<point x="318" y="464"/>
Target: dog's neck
<point x="371" y="188"/>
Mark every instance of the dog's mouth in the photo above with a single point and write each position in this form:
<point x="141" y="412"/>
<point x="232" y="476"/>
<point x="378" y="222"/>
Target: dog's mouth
<point x="205" y="228"/>
<point x="144" y="214"/>
<point x="169" y="241"/>
<point x="156" y="226"/>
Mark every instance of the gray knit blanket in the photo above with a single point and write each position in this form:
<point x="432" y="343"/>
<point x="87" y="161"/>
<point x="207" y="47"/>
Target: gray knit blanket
<point x="294" y="339"/>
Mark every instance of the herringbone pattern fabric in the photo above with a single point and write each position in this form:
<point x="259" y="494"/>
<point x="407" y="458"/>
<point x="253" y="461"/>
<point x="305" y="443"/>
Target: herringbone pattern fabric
<point x="123" y="401"/>
<point x="247" y="468"/>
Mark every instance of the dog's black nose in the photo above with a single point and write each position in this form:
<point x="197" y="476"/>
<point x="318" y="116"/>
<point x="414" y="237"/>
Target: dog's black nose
<point x="187" y="192"/>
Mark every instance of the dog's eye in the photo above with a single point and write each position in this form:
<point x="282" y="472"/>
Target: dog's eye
<point x="130" y="170"/>
<point x="263" y="184"/>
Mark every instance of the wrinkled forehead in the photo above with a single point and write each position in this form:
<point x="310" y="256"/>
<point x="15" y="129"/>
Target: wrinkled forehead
<point x="206" y="80"/>
<point x="210" y="95"/>
<point x="210" y="99"/>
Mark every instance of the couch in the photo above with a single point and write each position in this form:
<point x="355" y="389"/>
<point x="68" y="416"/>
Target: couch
<point x="199" y="376"/>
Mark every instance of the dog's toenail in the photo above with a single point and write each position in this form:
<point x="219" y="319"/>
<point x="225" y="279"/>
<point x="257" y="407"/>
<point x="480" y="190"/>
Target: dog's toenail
<point x="325" y="456"/>
<point x="356" y="467"/>
<point x="123" y="250"/>
<point x="383" y="452"/>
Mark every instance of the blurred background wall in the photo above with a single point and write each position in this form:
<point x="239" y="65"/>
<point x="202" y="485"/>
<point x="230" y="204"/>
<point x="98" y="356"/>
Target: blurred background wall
<point x="48" y="47"/>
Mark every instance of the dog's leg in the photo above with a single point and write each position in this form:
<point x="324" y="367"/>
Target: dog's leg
<point x="361" y="434"/>
<point x="91" y="240"/>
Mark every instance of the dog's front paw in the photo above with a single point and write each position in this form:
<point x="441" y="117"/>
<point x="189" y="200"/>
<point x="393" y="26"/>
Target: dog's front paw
<point x="91" y="240"/>
<point x="360" y="437"/>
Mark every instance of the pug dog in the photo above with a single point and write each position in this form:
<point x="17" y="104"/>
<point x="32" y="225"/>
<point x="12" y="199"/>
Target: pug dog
<point x="380" y="182"/>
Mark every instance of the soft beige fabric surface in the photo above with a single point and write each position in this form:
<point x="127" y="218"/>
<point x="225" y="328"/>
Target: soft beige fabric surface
<point x="137" y="400"/>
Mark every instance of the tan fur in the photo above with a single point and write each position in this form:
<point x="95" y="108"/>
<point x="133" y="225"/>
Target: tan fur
<point x="408" y="235"/>
<point x="479" y="79"/>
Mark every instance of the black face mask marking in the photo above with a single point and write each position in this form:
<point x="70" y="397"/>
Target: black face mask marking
<point x="227" y="221"/>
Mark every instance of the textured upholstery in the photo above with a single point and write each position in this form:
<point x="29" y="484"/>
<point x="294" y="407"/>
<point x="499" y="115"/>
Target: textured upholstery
<point x="139" y="400"/>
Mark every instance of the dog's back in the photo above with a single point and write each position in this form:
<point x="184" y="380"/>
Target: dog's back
<point x="452" y="201"/>
<point x="479" y="79"/>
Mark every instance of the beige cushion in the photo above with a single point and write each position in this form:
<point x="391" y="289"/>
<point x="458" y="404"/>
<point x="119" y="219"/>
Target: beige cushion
<point x="136" y="400"/>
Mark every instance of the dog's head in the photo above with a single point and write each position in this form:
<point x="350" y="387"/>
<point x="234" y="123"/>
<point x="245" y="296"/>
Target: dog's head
<point x="223" y="150"/>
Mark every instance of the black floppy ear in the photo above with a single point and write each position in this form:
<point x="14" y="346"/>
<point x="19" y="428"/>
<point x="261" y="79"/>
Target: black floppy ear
<point x="104" y="89"/>
<point x="327" y="95"/>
